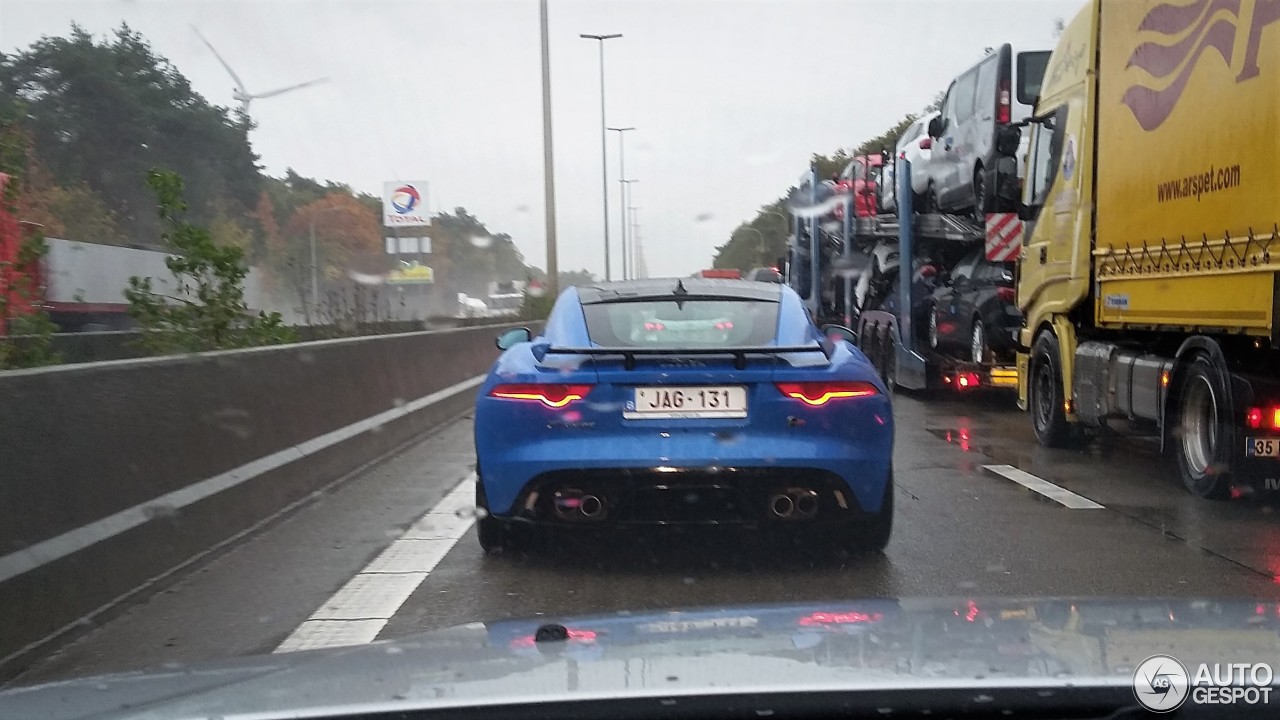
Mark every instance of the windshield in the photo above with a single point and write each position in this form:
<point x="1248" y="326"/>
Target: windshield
<point x="540" y="350"/>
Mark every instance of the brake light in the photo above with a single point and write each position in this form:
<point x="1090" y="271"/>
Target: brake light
<point x="726" y="325"/>
<point x="966" y="380"/>
<point x="820" y="393"/>
<point x="1002" y="110"/>
<point x="925" y="143"/>
<point x="1263" y="418"/>
<point x="1006" y="294"/>
<point x="654" y="326"/>
<point x="551" y="395"/>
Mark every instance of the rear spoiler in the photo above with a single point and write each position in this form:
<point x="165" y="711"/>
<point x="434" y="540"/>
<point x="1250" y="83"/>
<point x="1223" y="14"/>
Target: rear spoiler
<point x="739" y="353"/>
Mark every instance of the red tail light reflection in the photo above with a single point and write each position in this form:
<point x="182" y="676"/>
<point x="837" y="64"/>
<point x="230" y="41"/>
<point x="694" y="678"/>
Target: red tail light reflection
<point x="551" y="395"/>
<point x="822" y="619"/>
<point x="1007" y="294"/>
<point x="654" y="326"/>
<point x="581" y="636"/>
<point x="726" y="325"/>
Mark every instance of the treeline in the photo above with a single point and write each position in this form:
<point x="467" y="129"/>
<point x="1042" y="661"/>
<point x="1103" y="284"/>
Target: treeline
<point x="762" y="240"/>
<point x="96" y="115"/>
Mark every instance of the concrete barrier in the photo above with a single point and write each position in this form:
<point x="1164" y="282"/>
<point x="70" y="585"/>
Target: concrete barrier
<point x="114" y="473"/>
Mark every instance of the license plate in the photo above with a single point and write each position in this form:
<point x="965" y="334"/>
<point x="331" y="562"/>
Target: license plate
<point x="1262" y="447"/>
<point x="657" y="403"/>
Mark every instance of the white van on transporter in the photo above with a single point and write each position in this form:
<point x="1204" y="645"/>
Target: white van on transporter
<point x="965" y="170"/>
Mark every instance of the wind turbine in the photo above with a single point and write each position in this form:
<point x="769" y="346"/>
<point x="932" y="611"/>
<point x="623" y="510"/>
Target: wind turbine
<point x="243" y="96"/>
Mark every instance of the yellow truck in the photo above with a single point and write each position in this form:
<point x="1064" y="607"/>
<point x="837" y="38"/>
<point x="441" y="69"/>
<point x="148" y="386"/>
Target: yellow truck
<point x="1150" y="272"/>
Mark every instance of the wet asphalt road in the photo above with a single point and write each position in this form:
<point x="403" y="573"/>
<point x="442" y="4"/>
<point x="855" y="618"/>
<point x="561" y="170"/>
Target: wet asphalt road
<point x="961" y="531"/>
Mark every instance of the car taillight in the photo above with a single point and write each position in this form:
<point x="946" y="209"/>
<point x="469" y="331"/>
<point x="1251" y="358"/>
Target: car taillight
<point x="1006" y="294"/>
<point x="925" y="143"/>
<point x="551" y="395"/>
<point x="820" y="393"/>
<point x="1002" y="109"/>
<point x="1263" y="418"/>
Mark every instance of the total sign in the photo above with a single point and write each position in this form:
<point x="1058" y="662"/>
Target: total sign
<point x="404" y="204"/>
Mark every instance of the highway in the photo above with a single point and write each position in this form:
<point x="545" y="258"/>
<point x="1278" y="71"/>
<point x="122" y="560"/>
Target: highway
<point x="390" y="550"/>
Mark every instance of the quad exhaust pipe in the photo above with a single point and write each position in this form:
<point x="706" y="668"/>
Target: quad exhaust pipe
<point x="590" y="506"/>
<point x="794" y="504"/>
<point x="577" y="505"/>
<point x="781" y="506"/>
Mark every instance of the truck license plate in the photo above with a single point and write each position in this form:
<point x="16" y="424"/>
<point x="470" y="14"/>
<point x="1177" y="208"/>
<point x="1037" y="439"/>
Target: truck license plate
<point x="657" y="403"/>
<point x="1262" y="447"/>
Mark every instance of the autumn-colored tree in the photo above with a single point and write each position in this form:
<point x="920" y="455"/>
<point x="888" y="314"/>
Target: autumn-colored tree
<point x="344" y="228"/>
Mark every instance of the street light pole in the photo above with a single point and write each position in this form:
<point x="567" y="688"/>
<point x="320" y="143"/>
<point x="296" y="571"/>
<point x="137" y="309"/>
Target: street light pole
<point x="548" y="168"/>
<point x="626" y="201"/>
<point x="622" y="196"/>
<point x="315" y="285"/>
<point x="604" y="155"/>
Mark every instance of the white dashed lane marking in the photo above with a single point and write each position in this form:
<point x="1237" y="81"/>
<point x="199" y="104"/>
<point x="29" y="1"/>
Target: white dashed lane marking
<point x="1059" y="495"/>
<point x="361" y="608"/>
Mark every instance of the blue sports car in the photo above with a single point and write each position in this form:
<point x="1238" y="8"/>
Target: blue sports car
<point x="683" y="401"/>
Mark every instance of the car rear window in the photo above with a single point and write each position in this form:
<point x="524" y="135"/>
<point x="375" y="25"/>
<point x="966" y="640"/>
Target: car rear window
<point x="690" y="323"/>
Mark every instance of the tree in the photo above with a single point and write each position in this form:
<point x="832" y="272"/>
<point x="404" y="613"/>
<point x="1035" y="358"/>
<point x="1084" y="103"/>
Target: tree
<point x="345" y="231"/>
<point x="74" y="213"/>
<point x="743" y="249"/>
<point x="207" y="309"/>
<point x="25" y="328"/>
<point x="104" y="113"/>
<point x="758" y="243"/>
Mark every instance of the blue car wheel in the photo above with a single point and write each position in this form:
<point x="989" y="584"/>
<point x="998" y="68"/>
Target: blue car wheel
<point x="871" y="534"/>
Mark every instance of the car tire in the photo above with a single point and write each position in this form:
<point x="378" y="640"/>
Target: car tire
<point x="1203" y="433"/>
<point x="495" y="537"/>
<point x="873" y="530"/>
<point x="979" y="197"/>
<point x="978" y="349"/>
<point x="1048" y="416"/>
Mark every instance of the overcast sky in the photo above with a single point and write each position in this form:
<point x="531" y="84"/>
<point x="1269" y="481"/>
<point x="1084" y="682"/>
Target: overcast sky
<point x="729" y="98"/>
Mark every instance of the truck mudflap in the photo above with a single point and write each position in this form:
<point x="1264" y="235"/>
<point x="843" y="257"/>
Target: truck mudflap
<point x="1257" y="455"/>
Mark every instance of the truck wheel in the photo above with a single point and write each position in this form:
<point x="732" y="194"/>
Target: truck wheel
<point x="1048" y="412"/>
<point x="1203" y="432"/>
